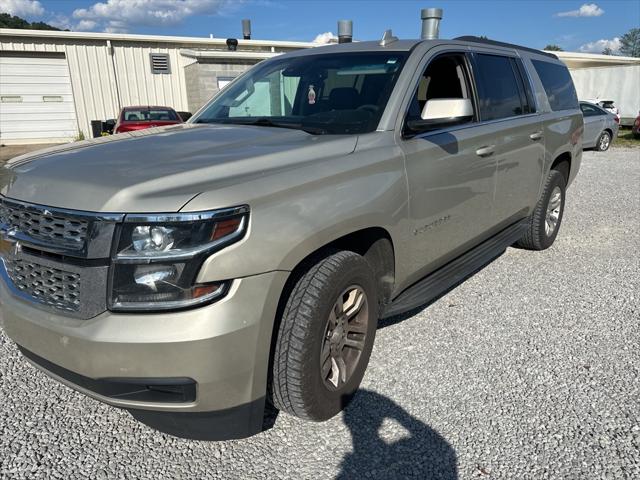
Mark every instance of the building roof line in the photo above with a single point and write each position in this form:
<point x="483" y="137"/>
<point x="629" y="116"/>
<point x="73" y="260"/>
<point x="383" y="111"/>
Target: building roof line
<point x="596" y="56"/>
<point x="14" y="32"/>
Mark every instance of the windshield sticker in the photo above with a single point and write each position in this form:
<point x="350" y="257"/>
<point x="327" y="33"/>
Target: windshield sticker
<point x="311" y="95"/>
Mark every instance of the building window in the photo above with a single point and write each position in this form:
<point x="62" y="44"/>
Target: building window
<point x="224" y="81"/>
<point x="160" y="63"/>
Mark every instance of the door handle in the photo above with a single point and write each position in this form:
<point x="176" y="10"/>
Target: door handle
<point x="536" y="136"/>
<point x="485" y="151"/>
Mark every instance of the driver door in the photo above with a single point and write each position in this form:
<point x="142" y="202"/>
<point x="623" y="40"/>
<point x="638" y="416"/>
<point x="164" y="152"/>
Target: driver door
<point x="451" y="183"/>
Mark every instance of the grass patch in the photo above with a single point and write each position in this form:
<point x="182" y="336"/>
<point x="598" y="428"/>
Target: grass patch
<point x="626" y="139"/>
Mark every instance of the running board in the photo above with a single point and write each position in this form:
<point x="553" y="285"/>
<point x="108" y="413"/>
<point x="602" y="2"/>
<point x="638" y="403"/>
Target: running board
<point x="443" y="279"/>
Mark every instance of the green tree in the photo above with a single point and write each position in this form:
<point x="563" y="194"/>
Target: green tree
<point x="630" y="43"/>
<point x="9" y="21"/>
<point x="553" y="48"/>
<point x="607" y="51"/>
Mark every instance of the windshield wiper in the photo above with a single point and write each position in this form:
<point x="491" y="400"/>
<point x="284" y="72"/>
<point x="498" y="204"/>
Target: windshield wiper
<point x="265" y="122"/>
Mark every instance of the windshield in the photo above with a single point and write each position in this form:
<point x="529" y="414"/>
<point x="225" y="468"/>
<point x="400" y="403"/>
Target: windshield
<point x="321" y="94"/>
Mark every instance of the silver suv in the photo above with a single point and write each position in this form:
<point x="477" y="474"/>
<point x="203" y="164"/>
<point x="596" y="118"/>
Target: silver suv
<point x="195" y="273"/>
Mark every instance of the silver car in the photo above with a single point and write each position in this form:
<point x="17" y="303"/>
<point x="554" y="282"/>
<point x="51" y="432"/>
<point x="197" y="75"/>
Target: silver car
<point x="600" y="127"/>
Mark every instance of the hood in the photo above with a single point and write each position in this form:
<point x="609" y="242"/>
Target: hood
<point x="160" y="169"/>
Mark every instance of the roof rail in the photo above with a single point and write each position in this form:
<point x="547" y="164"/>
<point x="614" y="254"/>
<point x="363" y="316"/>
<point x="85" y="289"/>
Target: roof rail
<point x="486" y="41"/>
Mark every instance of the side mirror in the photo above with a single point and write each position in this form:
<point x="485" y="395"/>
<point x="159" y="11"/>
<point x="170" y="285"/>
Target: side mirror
<point x="441" y="112"/>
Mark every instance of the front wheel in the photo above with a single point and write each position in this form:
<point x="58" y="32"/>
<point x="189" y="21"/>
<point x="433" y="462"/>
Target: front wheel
<point x="325" y="337"/>
<point x="546" y="218"/>
<point x="604" y="142"/>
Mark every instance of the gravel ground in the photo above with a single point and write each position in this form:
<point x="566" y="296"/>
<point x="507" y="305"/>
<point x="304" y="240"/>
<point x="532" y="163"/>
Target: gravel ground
<point x="527" y="370"/>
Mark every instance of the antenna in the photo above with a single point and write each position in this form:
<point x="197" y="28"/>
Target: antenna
<point x="387" y="38"/>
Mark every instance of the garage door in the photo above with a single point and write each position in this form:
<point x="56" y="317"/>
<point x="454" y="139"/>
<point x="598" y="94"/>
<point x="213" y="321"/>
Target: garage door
<point x="36" y="101"/>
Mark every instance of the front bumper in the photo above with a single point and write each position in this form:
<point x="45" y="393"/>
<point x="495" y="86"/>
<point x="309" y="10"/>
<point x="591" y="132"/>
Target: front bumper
<point x="223" y="348"/>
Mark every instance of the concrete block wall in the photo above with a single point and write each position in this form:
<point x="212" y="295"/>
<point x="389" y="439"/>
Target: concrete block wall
<point x="202" y="78"/>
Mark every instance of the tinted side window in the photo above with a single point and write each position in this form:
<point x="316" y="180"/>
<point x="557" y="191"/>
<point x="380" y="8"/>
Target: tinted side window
<point x="497" y="87"/>
<point x="590" y="110"/>
<point x="529" y="103"/>
<point x="557" y="84"/>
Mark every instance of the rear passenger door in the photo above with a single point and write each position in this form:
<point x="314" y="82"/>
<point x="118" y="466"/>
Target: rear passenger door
<point x="506" y="105"/>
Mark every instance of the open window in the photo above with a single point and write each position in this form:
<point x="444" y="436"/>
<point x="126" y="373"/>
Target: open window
<point x="445" y="78"/>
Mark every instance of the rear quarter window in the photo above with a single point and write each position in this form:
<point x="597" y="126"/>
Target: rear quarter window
<point x="557" y="84"/>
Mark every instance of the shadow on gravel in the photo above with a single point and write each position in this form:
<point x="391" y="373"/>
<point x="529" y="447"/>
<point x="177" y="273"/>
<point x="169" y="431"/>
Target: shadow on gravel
<point x="420" y="453"/>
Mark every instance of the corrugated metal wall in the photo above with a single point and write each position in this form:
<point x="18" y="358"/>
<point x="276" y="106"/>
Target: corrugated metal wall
<point x="94" y="84"/>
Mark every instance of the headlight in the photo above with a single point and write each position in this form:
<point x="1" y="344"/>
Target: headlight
<point x="159" y="256"/>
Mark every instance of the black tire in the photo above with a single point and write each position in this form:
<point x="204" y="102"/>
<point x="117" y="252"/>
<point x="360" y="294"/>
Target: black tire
<point x="297" y="386"/>
<point x="604" y="141"/>
<point x="537" y="237"/>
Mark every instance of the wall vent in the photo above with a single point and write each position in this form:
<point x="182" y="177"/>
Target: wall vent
<point x="160" y="63"/>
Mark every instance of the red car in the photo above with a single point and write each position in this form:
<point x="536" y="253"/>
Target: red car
<point x="636" y="127"/>
<point x="138" y="118"/>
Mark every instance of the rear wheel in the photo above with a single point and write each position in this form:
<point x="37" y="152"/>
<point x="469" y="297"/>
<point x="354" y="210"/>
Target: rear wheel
<point x="546" y="218"/>
<point x="325" y="337"/>
<point x="604" y="142"/>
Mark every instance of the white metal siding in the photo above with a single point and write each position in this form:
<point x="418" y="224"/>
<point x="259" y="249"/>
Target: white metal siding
<point x="93" y="82"/>
<point x="139" y="86"/>
<point x="619" y="83"/>
<point x="98" y="72"/>
<point x="32" y="80"/>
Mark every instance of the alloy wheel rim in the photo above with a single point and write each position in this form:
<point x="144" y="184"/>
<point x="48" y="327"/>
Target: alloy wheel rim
<point x="344" y="338"/>
<point x="604" y="142"/>
<point x="553" y="211"/>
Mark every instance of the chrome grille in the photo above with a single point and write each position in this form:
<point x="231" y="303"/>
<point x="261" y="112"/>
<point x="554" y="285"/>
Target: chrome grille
<point x="56" y="258"/>
<point x="44" y="225"/>
<point x="47" y="285"/>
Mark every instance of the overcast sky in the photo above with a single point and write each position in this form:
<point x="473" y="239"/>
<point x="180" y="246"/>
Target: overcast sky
<point x="576" y="26"/>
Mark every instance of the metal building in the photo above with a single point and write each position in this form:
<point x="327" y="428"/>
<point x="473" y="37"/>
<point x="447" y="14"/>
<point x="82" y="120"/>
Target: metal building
<point x="52" y="84"/>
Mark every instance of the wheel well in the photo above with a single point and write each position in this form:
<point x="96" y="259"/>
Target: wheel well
<point x="563" y="165"/>
<point x="374" y="244"/>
